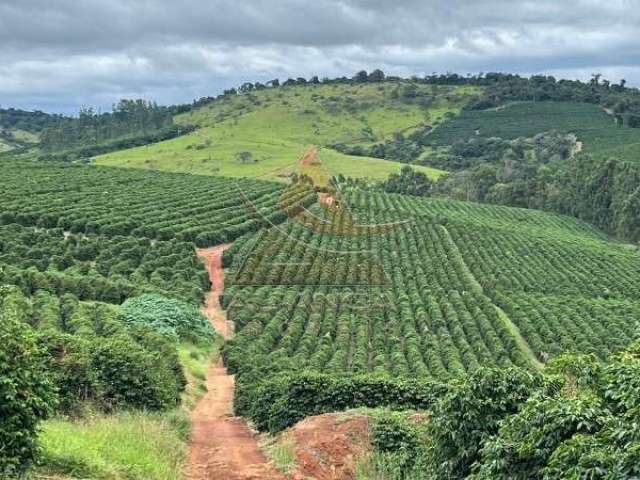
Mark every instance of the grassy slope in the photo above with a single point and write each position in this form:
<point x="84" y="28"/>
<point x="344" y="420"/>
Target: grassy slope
<point x="21" y="137"/>
<point x="132" y="446"/>
<point x="278" y="125"/>
<point x="136" y="445"/>
<point x="591" y="124"/>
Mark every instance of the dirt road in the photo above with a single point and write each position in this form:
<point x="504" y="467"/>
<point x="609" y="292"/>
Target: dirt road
<point x="222" y="446"/>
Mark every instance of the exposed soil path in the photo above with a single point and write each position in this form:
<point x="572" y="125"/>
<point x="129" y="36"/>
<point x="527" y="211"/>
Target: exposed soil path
<point x="222" y="446"/>
<point x="310" y="157"/>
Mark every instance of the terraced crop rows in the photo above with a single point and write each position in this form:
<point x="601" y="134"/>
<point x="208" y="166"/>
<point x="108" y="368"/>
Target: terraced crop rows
<point x="143" y="204"/>
<point x="97" y="267"/>
<point x="592" y="125"/>
<point x="425" y="298"/>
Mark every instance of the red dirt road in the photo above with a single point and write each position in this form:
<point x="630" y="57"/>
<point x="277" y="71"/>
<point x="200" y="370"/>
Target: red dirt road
<point x="310" y="157"/>
<point x="222" y="446"/>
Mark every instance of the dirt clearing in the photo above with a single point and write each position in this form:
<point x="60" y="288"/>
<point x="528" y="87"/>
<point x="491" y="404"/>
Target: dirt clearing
<point x="222" y="446"/>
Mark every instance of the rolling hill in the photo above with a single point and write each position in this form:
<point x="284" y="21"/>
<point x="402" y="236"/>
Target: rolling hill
<point x="276" y="126"/>
<point x="596" y="129"/>
<point x="459" y="329"/>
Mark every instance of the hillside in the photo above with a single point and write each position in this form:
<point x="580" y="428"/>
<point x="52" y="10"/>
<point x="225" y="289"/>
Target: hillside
<point x="20" y="128"/>
<point x="440" y="294"/>
<point x="153" y="318"/>
<point x="597" y="130"/>
<point x="276" y="126"/>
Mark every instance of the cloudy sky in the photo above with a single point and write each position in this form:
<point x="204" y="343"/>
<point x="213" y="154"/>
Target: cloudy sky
<point x="57" y="55"/>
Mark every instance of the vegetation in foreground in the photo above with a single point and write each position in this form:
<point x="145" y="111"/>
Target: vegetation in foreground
<point x="578" y="420"/>
<point x="132" y="446"/>
<point x="471" y="286"/>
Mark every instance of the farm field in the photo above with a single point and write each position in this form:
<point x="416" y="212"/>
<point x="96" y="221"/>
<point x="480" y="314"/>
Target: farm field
<point x="278" y="125"/>
<point x="590" y="123"/>
<point x="388" y="296"/>
<point x="428" y="287"/>
<point x="160" y="206"/>
<point x="431" y="298"/>
<point x="164" y="304"/>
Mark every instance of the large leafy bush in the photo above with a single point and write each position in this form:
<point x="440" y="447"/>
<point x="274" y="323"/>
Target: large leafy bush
<point x="136" y="369"/>
<point x="168" y="317"/>
<point x="469" y="413"/>
<point x="27" y="394"/>
<point x="129" y="375"/>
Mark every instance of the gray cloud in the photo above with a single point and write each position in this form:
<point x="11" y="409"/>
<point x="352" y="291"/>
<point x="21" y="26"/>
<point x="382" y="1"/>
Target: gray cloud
<point x="63" y="54"/>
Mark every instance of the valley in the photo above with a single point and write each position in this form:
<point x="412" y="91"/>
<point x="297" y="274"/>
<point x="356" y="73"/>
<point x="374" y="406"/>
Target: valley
<point x="348" y="279"/>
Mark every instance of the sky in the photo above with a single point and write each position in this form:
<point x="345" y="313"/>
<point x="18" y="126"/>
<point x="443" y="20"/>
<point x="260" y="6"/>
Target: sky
<point x="60" y="55"/>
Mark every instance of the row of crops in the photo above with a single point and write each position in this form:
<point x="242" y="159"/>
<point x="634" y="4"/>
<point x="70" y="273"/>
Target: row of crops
<point x="107" y="234"/>
<point x="589" y="122"/>
<point x="427" y="297"/>
<point x="95" y="267"/>
<point x="152" y="205"/>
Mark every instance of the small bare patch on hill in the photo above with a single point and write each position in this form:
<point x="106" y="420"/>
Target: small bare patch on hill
<point x="327" y="447"/>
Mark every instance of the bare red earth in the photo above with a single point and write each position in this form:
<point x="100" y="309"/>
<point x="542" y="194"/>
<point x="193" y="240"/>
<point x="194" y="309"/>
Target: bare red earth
<point x="310" y="157"/>
<point x="329" y="447"/>
<point x="222" y="446"/>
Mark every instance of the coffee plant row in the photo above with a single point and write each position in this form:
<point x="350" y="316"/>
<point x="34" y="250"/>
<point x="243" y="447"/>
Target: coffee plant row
<point x="417" y="287"/>
<point x="95" y="267"/>
<point x="153" y="205"/>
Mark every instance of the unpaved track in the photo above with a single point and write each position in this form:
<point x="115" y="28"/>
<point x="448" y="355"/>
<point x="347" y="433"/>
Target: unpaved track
<point x="222" y="446"/>
<point x="310" y="157"/>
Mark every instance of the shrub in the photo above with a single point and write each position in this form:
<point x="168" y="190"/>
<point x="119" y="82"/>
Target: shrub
<point x="70" y="362"/>
<point x="280" y="402"/>
<point x="471" y="411"/>
<point x="168" y="317"/>
<point x="26" y="392"/>
<point x="128" y="375"/>
<point x="139" y="369"/>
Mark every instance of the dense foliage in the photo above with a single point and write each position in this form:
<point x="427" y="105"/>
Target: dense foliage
<point x="603" y="193"/>
<point x="409" y="182"/>
<point x="35" y="122"/>
<point x="149" y="205"/>
<point x="26" y="390"/>
<point x="577" y="420"/>
<point x="169" y="317"/>
<point x="93" y="356"/>
<point x="130" y="122"/>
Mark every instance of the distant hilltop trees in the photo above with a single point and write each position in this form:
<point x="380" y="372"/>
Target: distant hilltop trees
<point x="622" y="101"/>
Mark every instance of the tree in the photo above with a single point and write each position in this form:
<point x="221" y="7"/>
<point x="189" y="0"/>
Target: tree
<point x="244" y="157"/>
<point x="361" y="76"/>
<point x="376" y="76"/>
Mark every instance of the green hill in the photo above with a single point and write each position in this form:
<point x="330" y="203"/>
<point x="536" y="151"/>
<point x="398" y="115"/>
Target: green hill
<point x="395" y="302"/>
<point x="11" y="138"/>
<point x="597" y="130"/>
<point x="21" y="128"/>
<point x="276" y="127"/>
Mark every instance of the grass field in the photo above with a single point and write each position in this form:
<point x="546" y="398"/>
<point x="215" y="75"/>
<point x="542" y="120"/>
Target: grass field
<point x="278" y="125"/>
<point x="12" y="138"/>
<point x="132" y="446"/>
<point x="592" y="125"/>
